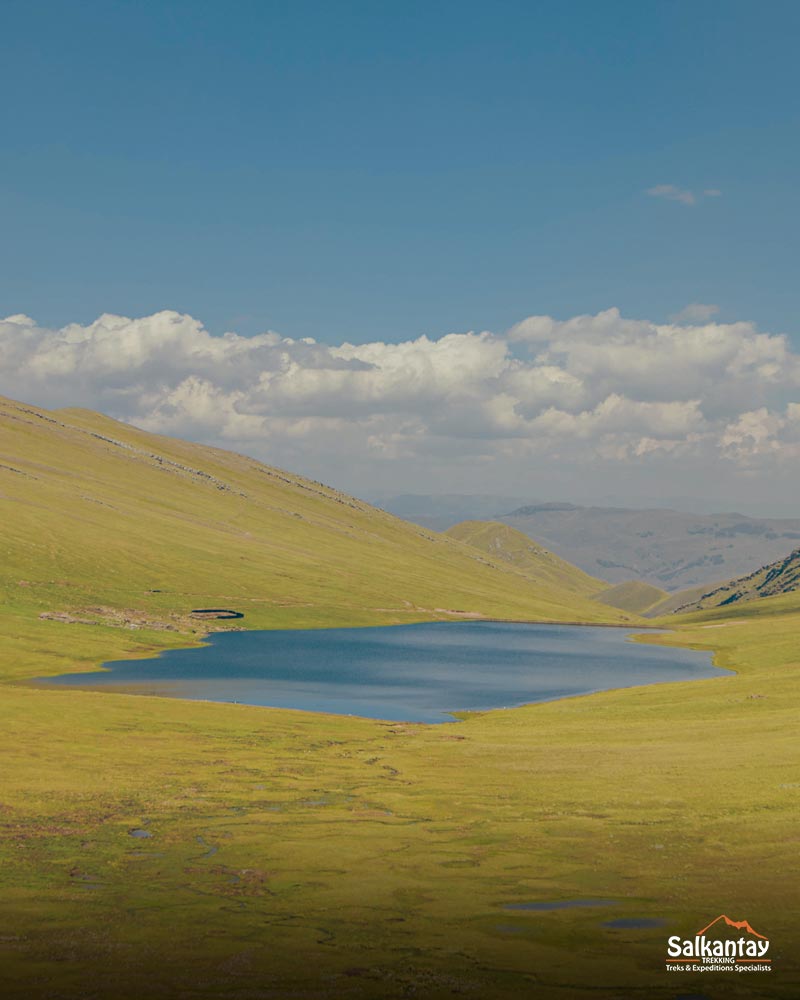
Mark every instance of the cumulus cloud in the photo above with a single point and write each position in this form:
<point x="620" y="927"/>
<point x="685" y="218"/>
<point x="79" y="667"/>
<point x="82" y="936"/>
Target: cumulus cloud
<point x="724" y="365"/>
<point x="591" y="389"/>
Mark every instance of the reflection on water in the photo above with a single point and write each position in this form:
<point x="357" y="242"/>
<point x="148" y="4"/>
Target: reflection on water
<point x="414" y="673"/>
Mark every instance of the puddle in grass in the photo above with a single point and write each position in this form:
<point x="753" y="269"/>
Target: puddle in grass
<point x="89" y="882"/>
<point x="210" y="849"/>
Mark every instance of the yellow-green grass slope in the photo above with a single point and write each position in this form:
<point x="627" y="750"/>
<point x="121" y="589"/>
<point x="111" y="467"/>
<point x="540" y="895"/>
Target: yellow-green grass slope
<point x="632" y="595"/>
<point x="673" y="602"/>
<point x="293" y="854"/>
<point x="503" y="543"/>
<point x="107" y="523"/>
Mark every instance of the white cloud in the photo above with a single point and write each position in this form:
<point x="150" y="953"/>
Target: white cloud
<point x="591" y="392"/>
<point x="618" y="415"/>
<point x="723" y="365"/>
<point x="753" y="433"/>
<point x="671" y="192"/>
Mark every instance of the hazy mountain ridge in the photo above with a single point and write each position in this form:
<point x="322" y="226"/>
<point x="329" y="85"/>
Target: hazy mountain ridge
<point x="445" y="510"/>
<point x="669" y="549"/>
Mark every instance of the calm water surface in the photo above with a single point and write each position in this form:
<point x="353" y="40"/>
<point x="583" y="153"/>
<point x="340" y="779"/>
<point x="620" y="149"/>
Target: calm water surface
<point x="413" y="673"/>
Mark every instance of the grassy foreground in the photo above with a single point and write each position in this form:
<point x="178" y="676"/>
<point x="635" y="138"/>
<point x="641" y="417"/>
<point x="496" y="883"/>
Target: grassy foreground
<point x="293" y="854"/>
<point x="298" y="855"/>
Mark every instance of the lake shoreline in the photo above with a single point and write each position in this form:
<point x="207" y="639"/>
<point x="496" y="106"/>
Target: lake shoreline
<point x="425" y="672"/>
<point x="631" y="626"/>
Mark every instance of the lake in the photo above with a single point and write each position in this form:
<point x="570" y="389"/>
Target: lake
<point x="412" y="673"/>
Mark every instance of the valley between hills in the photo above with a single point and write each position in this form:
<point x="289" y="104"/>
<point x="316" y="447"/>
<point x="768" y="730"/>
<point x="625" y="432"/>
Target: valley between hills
<point x="158" y="847"/>
<point x="669" y="549"/>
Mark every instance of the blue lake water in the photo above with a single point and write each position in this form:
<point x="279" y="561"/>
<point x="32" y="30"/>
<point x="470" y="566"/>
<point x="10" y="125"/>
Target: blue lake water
<point x="413" y="673"/>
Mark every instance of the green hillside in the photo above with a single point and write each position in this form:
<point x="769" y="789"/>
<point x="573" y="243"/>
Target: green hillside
<point x="747" y="612"/>
<point x="772" y="580"/>
<point x="632" y="595"/>
<point x="504" y="543"/>
<point x="678" y="599"/>
<point x="105" y="523"/>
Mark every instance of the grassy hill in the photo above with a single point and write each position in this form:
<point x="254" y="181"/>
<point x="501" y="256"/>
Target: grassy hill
<point x="501" y="542"/>
<point x="671" y="602"/>
<point x="780" y="577"/>
<point x="632" y="595"/>
<point x="106" y="523"/>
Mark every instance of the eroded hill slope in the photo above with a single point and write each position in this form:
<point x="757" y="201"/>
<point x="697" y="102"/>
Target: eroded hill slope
<point x="776" y="578"/>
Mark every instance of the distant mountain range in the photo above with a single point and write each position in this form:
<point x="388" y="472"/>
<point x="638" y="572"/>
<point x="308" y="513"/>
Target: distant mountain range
<point x="444" y="510"/>
<point x="502" y="543"/>
<point x="668" y="549"/>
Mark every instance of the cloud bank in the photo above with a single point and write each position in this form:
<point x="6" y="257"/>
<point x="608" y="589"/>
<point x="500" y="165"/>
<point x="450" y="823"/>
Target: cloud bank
<point x="470" y="410"/>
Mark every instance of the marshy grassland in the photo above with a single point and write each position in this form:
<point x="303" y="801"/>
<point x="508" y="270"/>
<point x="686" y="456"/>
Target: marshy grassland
<point x="159" y="848"/>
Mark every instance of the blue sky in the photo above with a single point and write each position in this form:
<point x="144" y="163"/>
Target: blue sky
<point x="609" y="187"/>
<point x="374" y="171"/>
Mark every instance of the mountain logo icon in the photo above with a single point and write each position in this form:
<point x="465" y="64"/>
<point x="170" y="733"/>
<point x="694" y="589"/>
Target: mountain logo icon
<point x="739" y="925"/>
